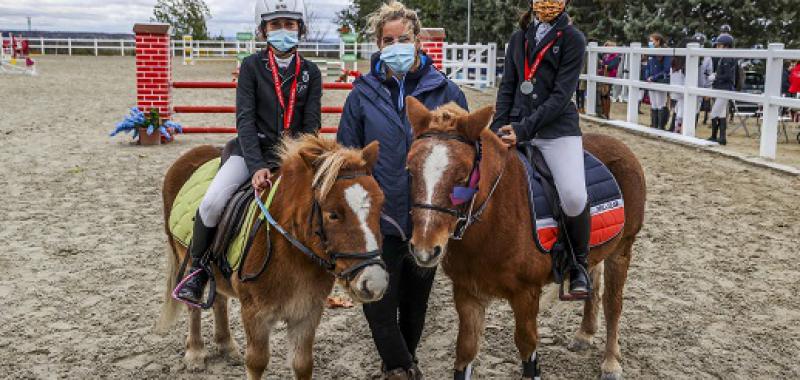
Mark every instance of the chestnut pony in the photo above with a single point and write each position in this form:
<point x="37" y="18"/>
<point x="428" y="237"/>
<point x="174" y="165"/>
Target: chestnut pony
<point x="293" y="288"/>
<point x="497" y="257"/>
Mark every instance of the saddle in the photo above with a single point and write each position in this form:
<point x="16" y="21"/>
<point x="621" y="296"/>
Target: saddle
<point x="605" y="201"/>
<point x="235" y="230"/>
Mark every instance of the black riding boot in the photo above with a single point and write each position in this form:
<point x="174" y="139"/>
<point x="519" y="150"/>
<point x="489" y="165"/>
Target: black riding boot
<point x="714" y="128"/>
<point x="664" y="118"/>
<point x="578" y="232"/>
<point x="202" y="237"/>
<point x="672" y="122"/>
<point x="723" y="129"/>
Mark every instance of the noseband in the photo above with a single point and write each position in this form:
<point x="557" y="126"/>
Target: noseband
<point x="461" y="195"/>
<point x="365" y="258"/>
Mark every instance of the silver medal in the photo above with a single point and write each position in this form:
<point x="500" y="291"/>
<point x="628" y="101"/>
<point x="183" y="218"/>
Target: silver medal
<point x="526" y="88"/>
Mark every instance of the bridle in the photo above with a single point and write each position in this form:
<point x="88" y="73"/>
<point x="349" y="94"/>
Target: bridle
<point x="461" y="195"/>
<point x="365" y="258"/>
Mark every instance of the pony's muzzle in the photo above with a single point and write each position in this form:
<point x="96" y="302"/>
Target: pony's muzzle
<point x="371" y="284"/>
<point x="426" y="258"/>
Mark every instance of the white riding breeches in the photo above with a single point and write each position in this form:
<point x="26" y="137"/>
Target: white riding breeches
<point x="230" y="176"/>
<point x="720" y="108"/>
<point x="658" y="100"/>
<point x="564" y="156"/>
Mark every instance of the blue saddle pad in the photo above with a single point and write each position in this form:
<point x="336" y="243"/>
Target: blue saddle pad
<point x="607" y="207"/>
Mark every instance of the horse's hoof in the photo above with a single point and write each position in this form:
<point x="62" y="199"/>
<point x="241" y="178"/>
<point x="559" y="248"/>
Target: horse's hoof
<point x="231" y="352"/>
<point x="578" y="345"/>
<point x="611" y="376"/>
<point x="195" y="360"/>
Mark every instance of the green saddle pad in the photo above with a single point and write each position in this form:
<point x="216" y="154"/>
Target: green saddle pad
<point x="181" y="219"/>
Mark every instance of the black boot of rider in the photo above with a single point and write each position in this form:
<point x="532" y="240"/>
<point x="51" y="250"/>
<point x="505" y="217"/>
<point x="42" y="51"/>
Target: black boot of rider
<point x="664" y="120"/>
<point x="654" y="118"/>
<point x="578" y="233"/>
<point x="723" y="129"/>
<point x="672" y="122"/>
<point x="714" y="128"/>
<point x="202" y="237"/>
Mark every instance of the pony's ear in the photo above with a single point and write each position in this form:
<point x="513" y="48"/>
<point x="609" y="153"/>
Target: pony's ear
<point x="472" y="125"/>
<point x="310" y="155"/>
<point x="370" y="154"/>
<point x="418" y="115"/>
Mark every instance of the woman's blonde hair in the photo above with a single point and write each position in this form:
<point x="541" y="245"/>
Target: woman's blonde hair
<point x="389" y="12"/>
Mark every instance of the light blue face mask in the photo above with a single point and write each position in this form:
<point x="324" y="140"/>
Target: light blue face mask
<point x="282" y="39"/>
<point x="399" y="57"/>
<point x="651" y="44"/>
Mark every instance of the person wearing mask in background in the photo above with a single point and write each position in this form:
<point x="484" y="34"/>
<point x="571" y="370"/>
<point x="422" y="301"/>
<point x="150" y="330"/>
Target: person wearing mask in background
<point x="608" y="66"/>
<point x="658" y="67"/>
<point x="376" y="111"/>
<point x="724" y="78"/>
<point x="278" y="93"/>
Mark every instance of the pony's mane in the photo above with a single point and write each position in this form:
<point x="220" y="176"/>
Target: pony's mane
<point x="331" y="159"/>
<point x="444" y="117"/>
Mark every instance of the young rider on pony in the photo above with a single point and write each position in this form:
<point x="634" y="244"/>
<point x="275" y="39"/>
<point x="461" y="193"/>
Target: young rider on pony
<point x="278" y="93"/>
<point x="534" y="105"/>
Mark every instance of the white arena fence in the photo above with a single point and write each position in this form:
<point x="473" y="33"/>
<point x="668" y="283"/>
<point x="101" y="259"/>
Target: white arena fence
<point x="471" y="65"/>
<point x="770" y="100"/>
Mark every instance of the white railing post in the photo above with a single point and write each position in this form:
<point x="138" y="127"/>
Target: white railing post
<point x="41" y="41"/>
<point x="591" y="85"/>
<point x="69" y="46"/>
<point x="634" y="71"/>
<point x="492" y="64"/>
<point x="122" y="48"/>
<point x="95" y="47"/>
<point x="692" y="72"/>
<point x="772" y="87"/>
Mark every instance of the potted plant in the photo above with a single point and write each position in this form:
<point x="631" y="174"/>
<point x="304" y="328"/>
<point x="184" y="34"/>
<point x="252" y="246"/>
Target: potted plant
<point x="149" y="128"/>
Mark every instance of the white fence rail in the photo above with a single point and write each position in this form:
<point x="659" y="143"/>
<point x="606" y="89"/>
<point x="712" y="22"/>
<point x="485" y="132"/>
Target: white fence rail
<point x="473" y="65"/>
<point x="770" y="100"/>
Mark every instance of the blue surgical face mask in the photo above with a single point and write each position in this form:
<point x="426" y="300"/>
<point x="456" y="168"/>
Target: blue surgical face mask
<point x="399" y="57"/>
<point x="651" y="44"/>
<point x="282" y="39"/>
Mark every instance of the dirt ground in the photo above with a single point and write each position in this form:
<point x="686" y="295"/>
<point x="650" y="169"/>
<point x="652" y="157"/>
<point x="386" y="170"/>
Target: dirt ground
<point x="712" y="291"/>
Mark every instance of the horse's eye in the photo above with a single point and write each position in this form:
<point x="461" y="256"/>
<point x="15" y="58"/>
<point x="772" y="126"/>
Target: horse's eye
<point x="333" y="216"/>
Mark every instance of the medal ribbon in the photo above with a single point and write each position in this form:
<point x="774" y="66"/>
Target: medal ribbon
<point x="288" y="113"/>
<point x="530" y="71"/>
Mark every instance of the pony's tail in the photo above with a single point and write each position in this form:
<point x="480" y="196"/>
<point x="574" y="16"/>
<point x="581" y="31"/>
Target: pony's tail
<point x="170" y="308"/>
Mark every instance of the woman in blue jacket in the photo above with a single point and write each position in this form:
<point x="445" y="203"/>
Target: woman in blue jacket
<point x="658" y="67"/>
<point x="375" y="111"/>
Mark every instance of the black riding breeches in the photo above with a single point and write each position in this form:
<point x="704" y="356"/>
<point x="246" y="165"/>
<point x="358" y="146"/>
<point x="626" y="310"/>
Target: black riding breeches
<point x="397" y="320"/>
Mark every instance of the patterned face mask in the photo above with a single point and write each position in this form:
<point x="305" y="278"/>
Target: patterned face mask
<point x="548" y="10"/>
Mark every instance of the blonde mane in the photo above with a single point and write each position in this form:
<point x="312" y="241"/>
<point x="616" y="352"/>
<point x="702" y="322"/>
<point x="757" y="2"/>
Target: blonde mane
<point x="330" y="159"/>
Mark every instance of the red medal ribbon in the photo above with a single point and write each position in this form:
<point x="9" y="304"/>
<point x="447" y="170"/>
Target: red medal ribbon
<point x="288" y="113"/>
<point x="530" y="71"/>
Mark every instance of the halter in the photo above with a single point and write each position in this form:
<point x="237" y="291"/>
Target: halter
<point x="460" y="195"/>
<point x="366" y="258"/>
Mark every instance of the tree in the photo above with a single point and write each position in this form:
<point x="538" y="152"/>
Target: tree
<point x="187" y="17"/>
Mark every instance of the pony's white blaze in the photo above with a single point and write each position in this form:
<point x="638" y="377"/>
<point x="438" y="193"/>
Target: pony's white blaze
<point x="433" y="169"/>
<point x="432" y="172"/>
<point x="358" y="199"/>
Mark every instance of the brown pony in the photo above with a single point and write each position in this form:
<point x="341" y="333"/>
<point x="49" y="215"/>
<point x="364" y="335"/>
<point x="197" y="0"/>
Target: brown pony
<point x="497" y="257"/>
<point x="293" y="288"/>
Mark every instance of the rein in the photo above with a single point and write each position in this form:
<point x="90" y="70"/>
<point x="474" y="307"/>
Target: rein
<point x="462" y="194"/>
<point x="366" y="258"/>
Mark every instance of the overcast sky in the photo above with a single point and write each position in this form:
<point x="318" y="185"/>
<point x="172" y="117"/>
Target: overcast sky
<point x="118" y="16"/>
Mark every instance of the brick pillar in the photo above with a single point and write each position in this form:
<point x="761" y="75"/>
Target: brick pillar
<point x="433" y="44"/>
<point x="153" y="68"/>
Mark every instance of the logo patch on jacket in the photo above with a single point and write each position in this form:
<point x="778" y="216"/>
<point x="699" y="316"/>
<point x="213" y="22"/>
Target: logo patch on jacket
<point x="305" y="76"/>
<point x="555" y="49"/>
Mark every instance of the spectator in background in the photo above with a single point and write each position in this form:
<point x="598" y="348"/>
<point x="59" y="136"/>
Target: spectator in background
<point x="580" y="92"/>
<point x="608" y="66"/>
<point x="794" y="79"/>
<point x="704" y="79"/>
<point x="724" y="78"/>
<point x="658" y="67"/>
<point x="677" y="77"/>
